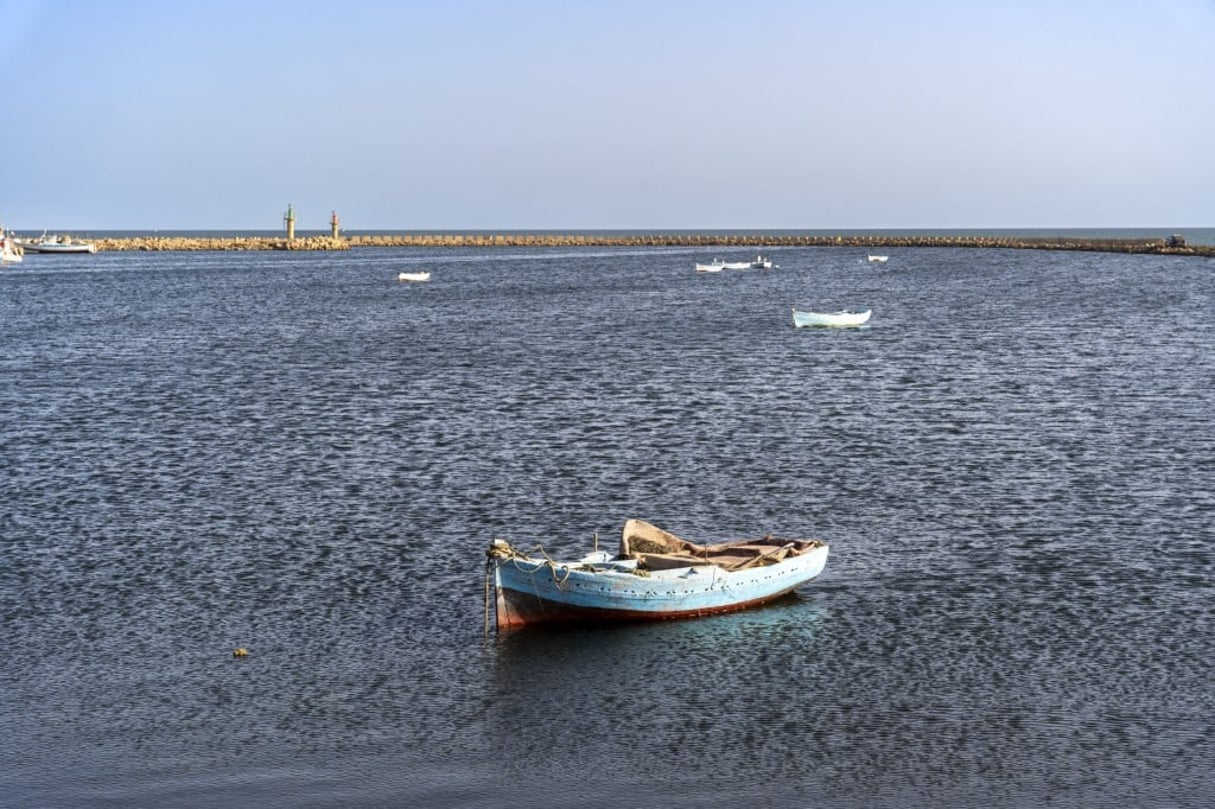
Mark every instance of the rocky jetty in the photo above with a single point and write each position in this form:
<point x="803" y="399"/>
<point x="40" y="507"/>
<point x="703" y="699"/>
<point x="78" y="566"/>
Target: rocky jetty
<point x="190" y="243"/>
<point x="1165" y="246"/>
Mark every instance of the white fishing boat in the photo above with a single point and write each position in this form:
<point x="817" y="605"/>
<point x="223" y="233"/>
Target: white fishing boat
<point x="655" y="576"/>
<point x="10" y="251"/>
<point x="844" y="318"/>
<point x="58" y="244"/>
<point x="717" y="265"/>
<point x="878" y="259"/>
<point x="414" y="276"/>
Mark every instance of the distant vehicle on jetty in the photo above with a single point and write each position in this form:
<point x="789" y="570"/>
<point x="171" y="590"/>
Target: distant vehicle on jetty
<point x="414" y="276"/>
<point x="830" y="319"/>
<point x="10" y="251"/>
<point x="58" y="244"/>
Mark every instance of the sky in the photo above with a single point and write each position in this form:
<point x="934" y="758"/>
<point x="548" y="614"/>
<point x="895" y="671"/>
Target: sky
<point x="620" y="114"/>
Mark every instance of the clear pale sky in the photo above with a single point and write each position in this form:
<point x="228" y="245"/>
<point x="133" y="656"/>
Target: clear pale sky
<point x="560" y="114"/>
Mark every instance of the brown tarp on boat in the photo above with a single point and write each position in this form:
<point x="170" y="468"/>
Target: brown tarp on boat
<point x="657" y="549"/>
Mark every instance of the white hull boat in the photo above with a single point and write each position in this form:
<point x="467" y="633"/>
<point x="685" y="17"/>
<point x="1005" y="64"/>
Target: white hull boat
<point x="717" y="265"/>
<point x="10" y="253"/>
<point x="829" y="319"/>
<point x="58" y="244"/>
<point x="414" y="276"/>
<point x="878" y="259"/>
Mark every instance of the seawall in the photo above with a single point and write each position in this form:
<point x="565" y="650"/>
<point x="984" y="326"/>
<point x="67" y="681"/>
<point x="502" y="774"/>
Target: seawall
<point x="157" y="243"/>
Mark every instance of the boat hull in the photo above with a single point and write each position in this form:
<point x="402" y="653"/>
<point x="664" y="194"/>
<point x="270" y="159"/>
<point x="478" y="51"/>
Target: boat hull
<point x="414" y="276"/>
<point x="830" y="319"/>
<point x="52" y="249"/>
<point x="760" y="263"/>
<point x="541" y="591"/>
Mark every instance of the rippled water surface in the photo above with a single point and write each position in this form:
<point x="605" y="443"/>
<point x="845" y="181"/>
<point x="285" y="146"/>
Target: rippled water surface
<point x="1014" y="464"/>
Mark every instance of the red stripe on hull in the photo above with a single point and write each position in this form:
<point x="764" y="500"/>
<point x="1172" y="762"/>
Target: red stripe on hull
<point x="517" y="609"/>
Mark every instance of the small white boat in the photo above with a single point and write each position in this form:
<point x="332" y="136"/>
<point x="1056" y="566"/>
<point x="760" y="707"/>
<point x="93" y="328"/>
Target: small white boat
<point x="414" y="276"/>
<point x="10" y="252"/>
<point x="845" y="318"/>
<point x="878" y="259"/>
<point x="717" y="265"/>
<point x="58" y="244"/>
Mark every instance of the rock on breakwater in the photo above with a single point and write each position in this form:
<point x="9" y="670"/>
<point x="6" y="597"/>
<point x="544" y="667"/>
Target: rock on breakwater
<point x="1161" y="246"/>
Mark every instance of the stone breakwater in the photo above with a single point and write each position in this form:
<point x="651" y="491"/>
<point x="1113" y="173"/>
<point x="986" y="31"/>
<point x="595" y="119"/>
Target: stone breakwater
<point x="1161" y="246"/>
<point x="190" y="243"/>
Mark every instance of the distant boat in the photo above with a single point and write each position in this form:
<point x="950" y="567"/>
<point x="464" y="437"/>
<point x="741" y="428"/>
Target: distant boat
<point x="717" y="265"/>
<point x="878" y="259"/>
<point x="414" y="276"/>
<point x="10" y="251"/>
<point x="655" y="576"/>
<point x="801" y="319"/>
<point x="58" y="244"/>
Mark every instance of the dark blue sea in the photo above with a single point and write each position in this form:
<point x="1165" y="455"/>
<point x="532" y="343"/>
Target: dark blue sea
<point x="1014" y="464"/>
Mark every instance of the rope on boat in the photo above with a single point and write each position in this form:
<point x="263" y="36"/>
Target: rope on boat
<point x="500" y="552"/>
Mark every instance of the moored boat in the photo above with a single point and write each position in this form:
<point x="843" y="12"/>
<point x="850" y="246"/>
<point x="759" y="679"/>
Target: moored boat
<point x="413" y="276"/>
<point x="844" y="318"/>
<point x="878" y="259"/>
<point x="654" y="576"/>
<point x="717" y="265"/>
<point x="58" y="244"/>
<point x="10" y="251"/>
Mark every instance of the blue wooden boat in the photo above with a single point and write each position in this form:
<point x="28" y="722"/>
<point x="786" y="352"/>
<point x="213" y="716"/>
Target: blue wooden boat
<point x="655" y="576"/>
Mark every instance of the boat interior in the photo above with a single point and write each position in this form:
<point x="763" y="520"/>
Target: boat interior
<point x="656" y="549"/>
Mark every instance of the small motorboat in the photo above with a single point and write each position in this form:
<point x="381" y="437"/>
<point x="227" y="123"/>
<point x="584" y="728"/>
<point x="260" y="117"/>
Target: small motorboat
<point x="761" y="263"/>
<point x="878" y="259"/>
<point x="414" y="276"/>
<point x="844" y="318"/>
<point x="655" y="576"/>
